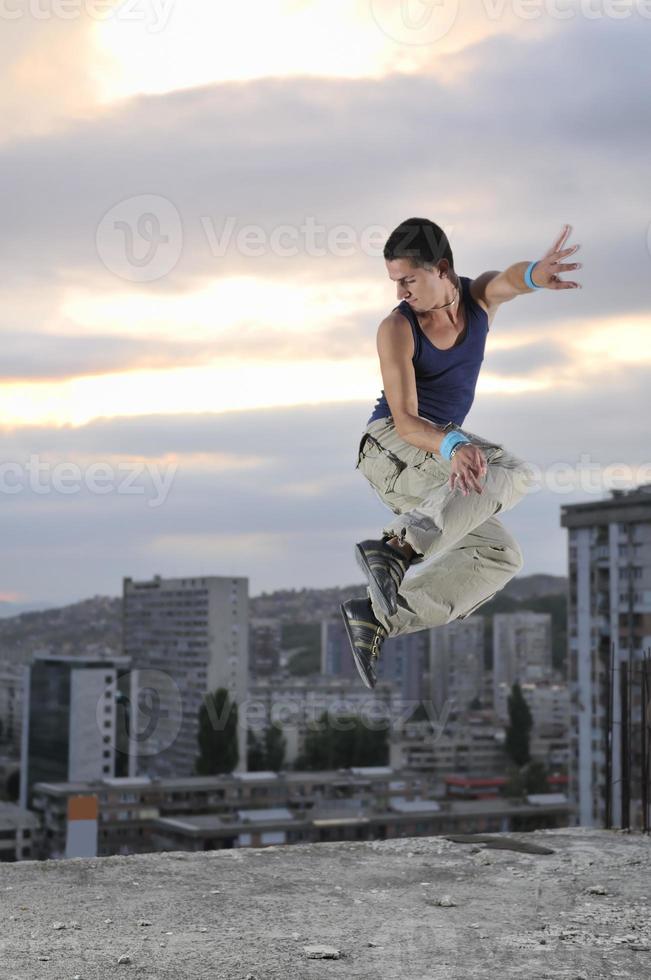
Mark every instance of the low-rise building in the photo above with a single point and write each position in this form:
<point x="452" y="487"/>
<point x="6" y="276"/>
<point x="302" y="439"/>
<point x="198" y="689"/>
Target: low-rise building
<point x="19" y="830"/>
<point x="254" y="809"/>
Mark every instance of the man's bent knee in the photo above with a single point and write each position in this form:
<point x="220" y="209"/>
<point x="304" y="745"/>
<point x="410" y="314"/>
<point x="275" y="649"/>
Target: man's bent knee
<point x="514" y="557"/>
<point x="511" y="558"/>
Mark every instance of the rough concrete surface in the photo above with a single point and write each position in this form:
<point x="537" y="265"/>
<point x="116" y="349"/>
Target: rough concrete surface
<point x="410" y="908"/>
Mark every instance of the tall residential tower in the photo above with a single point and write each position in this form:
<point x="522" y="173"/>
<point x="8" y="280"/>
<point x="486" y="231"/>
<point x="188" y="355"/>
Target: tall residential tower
<point x="609" y="608"/>
<point x="185" y="638"/>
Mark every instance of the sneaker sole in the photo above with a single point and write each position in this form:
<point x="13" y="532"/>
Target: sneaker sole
<point x="358" y="663"/>
<point x="377" y="593"/>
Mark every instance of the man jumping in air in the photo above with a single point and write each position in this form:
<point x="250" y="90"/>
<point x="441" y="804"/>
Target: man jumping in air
<point x="444" y="484"/>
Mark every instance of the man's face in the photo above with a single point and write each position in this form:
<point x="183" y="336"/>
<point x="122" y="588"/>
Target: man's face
<point x="421" y="288"/>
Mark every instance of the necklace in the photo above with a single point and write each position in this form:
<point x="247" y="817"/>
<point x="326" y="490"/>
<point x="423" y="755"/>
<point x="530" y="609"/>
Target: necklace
<point x="452" y="301"/>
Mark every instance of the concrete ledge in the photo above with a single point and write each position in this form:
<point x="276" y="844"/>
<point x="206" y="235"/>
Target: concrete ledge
<point x="250" y="912"/>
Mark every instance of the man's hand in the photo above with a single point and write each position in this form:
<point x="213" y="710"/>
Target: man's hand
<point x="546" y="270"/>
<point x="468" y="468"/>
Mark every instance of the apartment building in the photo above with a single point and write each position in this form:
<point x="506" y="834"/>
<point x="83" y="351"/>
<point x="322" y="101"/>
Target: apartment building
<point x="609" y="624"/>
<point x="185" y="638"/>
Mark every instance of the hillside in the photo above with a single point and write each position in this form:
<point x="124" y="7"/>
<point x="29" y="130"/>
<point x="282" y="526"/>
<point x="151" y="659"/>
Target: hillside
<point x="93" y="626"/>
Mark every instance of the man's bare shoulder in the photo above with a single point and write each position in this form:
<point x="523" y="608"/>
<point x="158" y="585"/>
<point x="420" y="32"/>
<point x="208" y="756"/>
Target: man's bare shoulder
<point x="394" y="334"/>
<point x="395" y="317"/>
<point x="477" y="289"/>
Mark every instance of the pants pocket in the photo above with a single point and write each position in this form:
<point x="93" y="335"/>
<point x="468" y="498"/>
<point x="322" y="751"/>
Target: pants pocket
<point x="379" y="465"/>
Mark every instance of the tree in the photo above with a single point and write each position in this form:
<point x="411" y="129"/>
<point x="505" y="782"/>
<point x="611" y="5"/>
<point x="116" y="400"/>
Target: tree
<point x="517" y="732"/>
<point x="255" y="753"/>
<point x="342" y="746"/>
<point x="536" y="777"/>
<point x="419" y="713"/>
<point x="275" y="744"/>
<point x="267" y="752"/>
<point x="515" y="786"/>
<point x="530" y="778"/>
<point x="217" y="735"/>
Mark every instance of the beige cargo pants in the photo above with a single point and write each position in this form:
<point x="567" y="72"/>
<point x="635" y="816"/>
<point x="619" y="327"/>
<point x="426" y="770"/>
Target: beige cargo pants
<point x="474" y="556"/>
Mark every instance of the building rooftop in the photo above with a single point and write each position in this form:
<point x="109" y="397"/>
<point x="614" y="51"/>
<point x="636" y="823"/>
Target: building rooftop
<point x="208" y="782"/>
<point x="544" y="799"/>
<point x="191" y="822"/>
<point x="401" y="805"/>
<point x="407" y="908"/>
<point x="622" y="505"/>
<point x="265" y="815"/>
<point x="82" y="659"/>
<point x="12" y="816"/>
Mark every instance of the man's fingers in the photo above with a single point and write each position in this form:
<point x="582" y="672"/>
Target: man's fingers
<point x="473" y="479"/>
<point x="456" y="480"/>
<point x="565" y="285"/>
<point x="471" y="476"/>
<point x="561" y="238"/>
<point x="566" y="266"/>
<point x="566" y="251"/>
<point x="474" y="483"/>
<point x="468" y="481"/>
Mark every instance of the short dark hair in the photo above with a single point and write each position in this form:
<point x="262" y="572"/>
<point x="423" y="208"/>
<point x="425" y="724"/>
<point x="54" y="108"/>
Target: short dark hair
<point x="421" y="241"/>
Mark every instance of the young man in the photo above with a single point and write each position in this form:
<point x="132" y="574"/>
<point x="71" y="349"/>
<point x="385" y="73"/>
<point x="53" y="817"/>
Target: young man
<point x="444" y="484"/>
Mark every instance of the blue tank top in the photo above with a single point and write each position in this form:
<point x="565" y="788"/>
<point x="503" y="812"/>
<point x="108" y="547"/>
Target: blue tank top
<point x="445" y="379"/>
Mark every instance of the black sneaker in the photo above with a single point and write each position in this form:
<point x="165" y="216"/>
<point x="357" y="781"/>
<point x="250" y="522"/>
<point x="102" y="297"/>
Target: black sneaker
<point x="384" y="567"/>
<point x="366" y="636"/>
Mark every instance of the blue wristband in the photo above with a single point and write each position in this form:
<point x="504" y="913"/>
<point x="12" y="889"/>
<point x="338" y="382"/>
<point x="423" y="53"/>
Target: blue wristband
<point x="527" y="276"/>
<point x="450" y="441"/>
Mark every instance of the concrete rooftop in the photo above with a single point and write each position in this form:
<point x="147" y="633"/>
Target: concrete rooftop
<point x="251" y="913"/>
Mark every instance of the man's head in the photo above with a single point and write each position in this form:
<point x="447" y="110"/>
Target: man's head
<point x="419" y="260"/>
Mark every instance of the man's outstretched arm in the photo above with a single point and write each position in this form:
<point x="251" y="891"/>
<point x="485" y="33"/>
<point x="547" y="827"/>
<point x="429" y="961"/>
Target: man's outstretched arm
<point x="490" y="289"/>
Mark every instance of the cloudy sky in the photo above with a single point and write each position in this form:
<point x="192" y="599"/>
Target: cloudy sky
<point x="195" y="198"/>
